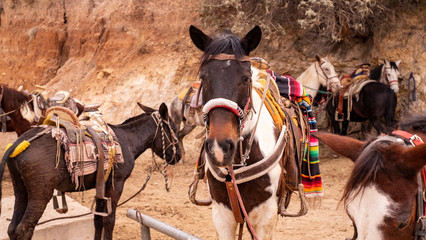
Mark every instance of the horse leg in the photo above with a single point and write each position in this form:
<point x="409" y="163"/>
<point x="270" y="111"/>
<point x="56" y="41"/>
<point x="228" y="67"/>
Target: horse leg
<point x="21" y="200"/>
<point x="38" y="197"/>
<point x="265" y="216"/>
<point x="109" y="221"/>
<point x="224" y="221"/>
<point x="345" y="125"/>
<point x="377" y="124"/>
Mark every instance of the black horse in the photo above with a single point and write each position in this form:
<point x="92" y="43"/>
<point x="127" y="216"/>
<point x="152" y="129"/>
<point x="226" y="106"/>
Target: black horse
<point x="376" y="101"/>
<point x="35" y="175"/>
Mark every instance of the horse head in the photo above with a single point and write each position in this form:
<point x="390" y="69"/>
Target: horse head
<point x="390" y="74"/>
<point x="225" y="73"/>
<point x="383" y="182"/>
<point x="328" y="76"/>
<point x="165" y="142"/>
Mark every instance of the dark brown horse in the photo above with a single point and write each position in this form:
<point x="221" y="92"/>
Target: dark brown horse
<point x="35" y="176"/>
<point x="15" y="105"/>
<point x="380" y="194"/>
<point x="232" y="110"/>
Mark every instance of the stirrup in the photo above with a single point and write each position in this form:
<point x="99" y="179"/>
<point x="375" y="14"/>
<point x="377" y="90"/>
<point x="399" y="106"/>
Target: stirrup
<point x="64" y="208"/>
<point x="336" y="117"/>
<point x="109" y="208"/>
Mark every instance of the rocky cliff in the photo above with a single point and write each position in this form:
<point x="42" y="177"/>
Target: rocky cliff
<point x="117" y="52"/>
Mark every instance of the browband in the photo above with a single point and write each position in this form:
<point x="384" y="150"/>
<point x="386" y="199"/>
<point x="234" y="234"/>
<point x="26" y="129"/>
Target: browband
<point x="224" y="56"/>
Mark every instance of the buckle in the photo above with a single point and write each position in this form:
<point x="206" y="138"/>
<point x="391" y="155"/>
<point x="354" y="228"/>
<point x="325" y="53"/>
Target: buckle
<point x="336" y="117"/>
<point x="415" y="140"/>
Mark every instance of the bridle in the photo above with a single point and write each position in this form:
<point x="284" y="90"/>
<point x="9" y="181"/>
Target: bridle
<point x="386" y="77"/>
<point x="241" y="113"/>
<point x="159" y="121"/>
<point x="328" y="79"/>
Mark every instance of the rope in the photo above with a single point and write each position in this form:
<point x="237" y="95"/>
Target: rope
<point x="320" y="91"/>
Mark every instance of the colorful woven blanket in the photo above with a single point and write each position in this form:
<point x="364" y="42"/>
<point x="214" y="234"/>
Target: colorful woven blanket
<point x="81" y="159"/>
<point x="294" y="91"/>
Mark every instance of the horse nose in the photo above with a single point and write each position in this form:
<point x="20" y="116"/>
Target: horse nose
<point x="220" y="150"/>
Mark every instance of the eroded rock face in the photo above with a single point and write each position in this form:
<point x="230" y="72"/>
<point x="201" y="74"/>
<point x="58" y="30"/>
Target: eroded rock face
<point x="118" y="52"/>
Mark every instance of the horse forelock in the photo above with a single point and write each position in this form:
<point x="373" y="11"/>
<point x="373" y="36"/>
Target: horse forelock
<point x="223" y="43"/>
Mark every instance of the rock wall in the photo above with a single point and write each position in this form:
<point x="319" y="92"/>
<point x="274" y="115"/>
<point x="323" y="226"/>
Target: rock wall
<point x="117" y="52"/>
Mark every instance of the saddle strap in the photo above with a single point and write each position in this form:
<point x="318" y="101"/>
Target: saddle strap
<point x="100" y="183"/>
<point x="341" y="99"/>
<point x="234" y="202"/>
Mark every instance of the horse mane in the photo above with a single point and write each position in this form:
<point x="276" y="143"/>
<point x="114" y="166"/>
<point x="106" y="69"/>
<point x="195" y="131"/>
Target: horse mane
<point x="133" y="119"/>
<point x="364" y="172"/>
<point x="369" y="163"/>
<point x="225" y="42"/>
<point x="14" y="98"/>
<point x="376" y="72"/>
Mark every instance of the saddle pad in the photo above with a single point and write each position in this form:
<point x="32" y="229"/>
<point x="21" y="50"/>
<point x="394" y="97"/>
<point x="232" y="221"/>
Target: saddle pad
<point x="356" y="87"/>
<point x="81" y="158"/>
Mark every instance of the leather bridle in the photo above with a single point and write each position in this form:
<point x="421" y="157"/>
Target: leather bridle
<point x="324" y="75"/>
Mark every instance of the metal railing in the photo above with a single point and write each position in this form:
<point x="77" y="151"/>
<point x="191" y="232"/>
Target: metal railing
<point x="148" y="222"/>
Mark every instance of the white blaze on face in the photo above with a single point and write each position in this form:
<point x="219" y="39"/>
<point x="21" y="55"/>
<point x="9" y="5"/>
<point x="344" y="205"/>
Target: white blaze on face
<point x="27" y="113"/>
<point x="217" y="151"/>
<point x="368" y="210"/>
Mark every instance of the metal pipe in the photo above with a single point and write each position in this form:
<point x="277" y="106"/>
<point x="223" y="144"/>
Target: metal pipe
<point x="164" y="228"/>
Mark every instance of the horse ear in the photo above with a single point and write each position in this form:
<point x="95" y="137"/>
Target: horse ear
<point x="200" y="40"/>
<point x="385" y="62"/>
<point x="318" y="58"/>
<point x="415" y="157"/>
<point x="146" y="108"/>
<point x="342" y="145"/>
<point x="252" y="39"/>
<point x="164" y="112"/>
<point x="398" y="62"/>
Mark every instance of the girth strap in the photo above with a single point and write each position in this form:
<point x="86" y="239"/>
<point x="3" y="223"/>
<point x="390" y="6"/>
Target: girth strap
<point x="100" y="182"/>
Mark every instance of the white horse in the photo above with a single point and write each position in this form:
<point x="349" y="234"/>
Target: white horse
<point x="387" y="73"/>
<point x="321" y="72"/>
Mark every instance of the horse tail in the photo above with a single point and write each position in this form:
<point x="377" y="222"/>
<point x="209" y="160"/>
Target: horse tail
<point x="9" y="151"/>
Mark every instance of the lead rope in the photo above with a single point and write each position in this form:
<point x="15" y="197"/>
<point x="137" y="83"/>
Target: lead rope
<point x="243" y="209"/>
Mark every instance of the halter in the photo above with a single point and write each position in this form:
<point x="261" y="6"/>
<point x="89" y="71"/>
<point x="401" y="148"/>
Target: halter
<point x="328" y="80"/>
<point x="386" y="77"/>
<point x="173" y="142"/>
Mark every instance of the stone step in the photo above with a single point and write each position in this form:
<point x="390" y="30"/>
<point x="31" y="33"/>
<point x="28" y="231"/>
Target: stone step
<point x="63" y="229"/>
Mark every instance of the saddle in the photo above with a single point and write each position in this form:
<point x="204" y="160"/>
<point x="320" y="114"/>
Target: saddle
<point x="352" y="84"/>
<point x="91" y="125"/>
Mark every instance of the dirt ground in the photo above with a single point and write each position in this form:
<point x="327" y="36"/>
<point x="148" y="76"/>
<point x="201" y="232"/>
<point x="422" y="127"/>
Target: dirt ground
<point x="329" y="221"/>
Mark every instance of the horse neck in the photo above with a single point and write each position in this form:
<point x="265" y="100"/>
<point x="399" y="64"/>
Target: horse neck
<point x="265" y="133"/>
<point x="310" y="80"/>
<point x="12" y="99"/>
<point x="138" y="134"/>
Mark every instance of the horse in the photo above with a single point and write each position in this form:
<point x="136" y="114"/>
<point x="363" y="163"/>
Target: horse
<point x="27" y="109"/>
<point x="318" y="73"/>
<point x="15" y="105"/>
<point x="35" y="176"/>
<point x="238" y="135"/>
<point x="387" y="73"/>
<point x="375" y="101"/>
<point x="380" y="193"/>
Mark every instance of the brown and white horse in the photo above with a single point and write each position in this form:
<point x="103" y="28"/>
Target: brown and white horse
<point x="15" y="105"/>
<point x="380" y="194"/>
<point x="239" y="135"/>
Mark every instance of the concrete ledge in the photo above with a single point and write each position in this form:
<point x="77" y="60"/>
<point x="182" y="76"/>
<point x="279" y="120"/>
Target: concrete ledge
<point x="64" y="229"/>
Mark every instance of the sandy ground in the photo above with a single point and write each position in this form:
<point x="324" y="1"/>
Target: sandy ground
<point x="329" y="221"/>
